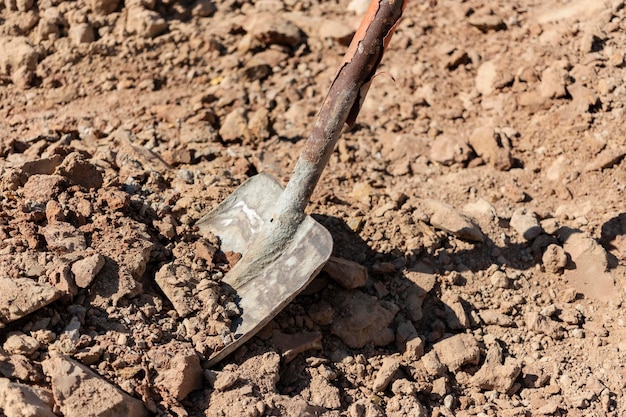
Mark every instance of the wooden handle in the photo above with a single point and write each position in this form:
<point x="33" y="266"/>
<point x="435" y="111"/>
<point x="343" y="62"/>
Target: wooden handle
<point x="343" y="101"/>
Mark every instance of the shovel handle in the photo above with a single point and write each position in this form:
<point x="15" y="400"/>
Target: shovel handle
<point x="342" y="103"/>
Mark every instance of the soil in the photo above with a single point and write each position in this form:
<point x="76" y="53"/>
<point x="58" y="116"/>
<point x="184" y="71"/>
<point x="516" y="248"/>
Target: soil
<point x="477" y="209"/>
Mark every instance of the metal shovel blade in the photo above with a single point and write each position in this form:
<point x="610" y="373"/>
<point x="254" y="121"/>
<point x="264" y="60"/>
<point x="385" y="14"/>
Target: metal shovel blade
<point x="236" y="221"/>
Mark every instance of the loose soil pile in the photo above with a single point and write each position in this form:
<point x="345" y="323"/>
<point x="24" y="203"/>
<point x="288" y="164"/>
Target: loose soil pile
<point x="477" y="209"/>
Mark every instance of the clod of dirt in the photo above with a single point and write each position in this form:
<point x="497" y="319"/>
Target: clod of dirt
<point x="362" y="319"/>
<point x="22" y="400"/>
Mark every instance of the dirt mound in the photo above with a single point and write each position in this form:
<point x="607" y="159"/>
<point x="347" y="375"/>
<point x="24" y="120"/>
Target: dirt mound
<point x="477" y="209"/>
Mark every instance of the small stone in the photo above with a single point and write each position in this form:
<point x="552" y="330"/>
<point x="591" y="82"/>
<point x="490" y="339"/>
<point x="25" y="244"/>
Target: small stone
<point x="104" y="6"/>
<point x="499" y="280"/>
<point x="488" y="144"/>
<point x="457" y="351"/>
<point x="322" y="313"/>
<point x="496" y="374"/>
<point x="553" y="83"/>
<point x="22" y="296"/>
<point x="492" y="317"/>
<point x="79" y="171"/>
<point x="86" y="269"/>
<point x="486" y="22"/>
<point x="73" y="383"/>
<point x="348" y="274"/>
<point x="432" y="364"/>
<point x="324" y="394"/>
<point x="337" y="30"/>
<point x="203" y="8"/>
<point x="235" y="126"/>
<point x="605" y="159"/>
<point x="81" y="33"/>
<point x="578" y="333"/>
<point x="272" y="29"/>
<point x="554" y="259"/>
<point x="445" y="217"/>
<point x="178" y="368"/>
<point x="455" y="314"/>
<point x="525" y="224"/>
<point x="145" y="23"/>
<point x="448" y="150"/>
<point x="19" y="59"/>
<point x="20" y="344"/>
<point x="63" y="237"/>
<point x="385" y="375"/>
<point x="43" y="188"/>
<point x="414" y="349"/>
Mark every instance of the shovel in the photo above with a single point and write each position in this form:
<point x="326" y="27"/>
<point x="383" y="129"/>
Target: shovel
<point x="282" y="248"/>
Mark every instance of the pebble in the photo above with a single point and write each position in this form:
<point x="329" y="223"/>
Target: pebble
<point x="348" y="274"/>
<point x="499" y="280"/>
<point x="454" y="313"/>
<point x="86" y="269"/>
<point x="145" y="23"/>
<point x="445" y="217"/>
<point x="554" y="259"/>
<point x="20" y="344"/>
<point x="457" y="351"/>
<point x="552" y="83"/>
<point x="525" y="223"/>
<point x="448" y="150"/>
<point x="385" y="374"/>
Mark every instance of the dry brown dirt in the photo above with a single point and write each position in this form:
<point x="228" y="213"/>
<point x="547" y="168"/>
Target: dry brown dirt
<point x="477" y="209"/>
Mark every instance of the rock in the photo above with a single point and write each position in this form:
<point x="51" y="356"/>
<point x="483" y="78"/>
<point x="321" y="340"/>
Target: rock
<point x="541" y="324"/>
<point x="42" y="165"/>
<point x="174" y="281"/>
<point x="457" y="351"/>
<point x="178" y="369"/>
<point x="20" y="344"/>
<point x="203" y="8"/>
<point x="20" y="400"/>
<point x="272" y="29"/>
<point x="322" y="313"/>
<point x="605" y="159"/>
<point x="405" y="331"/>
<point x="81" y="33"/>
<point x="337" y="30"/>
<point x="552" y="83"/>
<point x="79" y="171"/>
<point x="104" y="6"/>
<point x="18" y="60"/>
<point x="78" y="391"/>
<point x="235" y="126"/>
<point x="445" y="217"/>
<point x="290" y="345"/>
<point x="143" y="22"/>
<point x="455" y="315"/>
<point x="385" y="374"/>
<point x="224" y="380"/>
<point x="324" y="394"/>
<point x="525" y="224"/>
<point x="348" y="274"/>
<point x="448" y="150"/>
<point x="402" y="405"/>
<point x="493" y="317"/>
<point x="414" y="349"/>
<point x="591" y="275"/>
<point x="494" y="374"/>
<point x="361" y="319"/>
<point x="489" y="146"/>
<point x="499" y="280"/>
<point x="486" y="22"/>
<point x="486" y="78"/>
<point x="21" y="296"/>
<point x="554" y="259"/>
<point x="432" y="365"/>
<point x="43" y="188"/>
<point x="63" y="237"/>
<point x="86" y="269"/>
